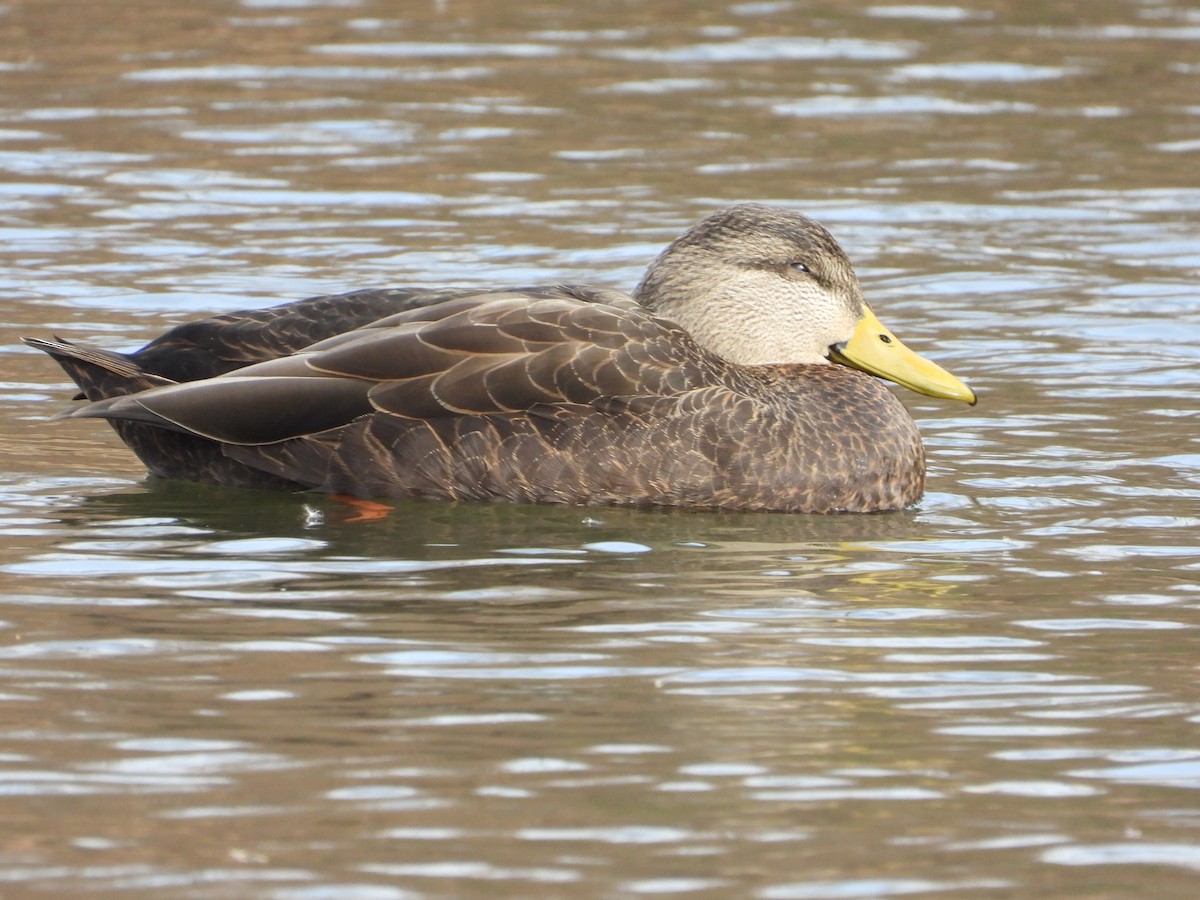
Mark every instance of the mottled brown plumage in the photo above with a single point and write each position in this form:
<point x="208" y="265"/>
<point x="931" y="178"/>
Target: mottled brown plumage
<point x="698" y="393"/>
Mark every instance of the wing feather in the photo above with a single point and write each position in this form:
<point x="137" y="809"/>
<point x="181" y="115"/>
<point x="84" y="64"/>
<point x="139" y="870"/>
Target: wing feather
<point x="545" y="352"/>
<point x="242" y="409"/>
<point x="507" y="352"/>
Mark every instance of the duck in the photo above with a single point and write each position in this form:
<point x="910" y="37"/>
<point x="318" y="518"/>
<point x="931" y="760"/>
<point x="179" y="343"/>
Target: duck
<point x="742" y="373"/>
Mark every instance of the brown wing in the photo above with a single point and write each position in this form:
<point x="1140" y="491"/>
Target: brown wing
<point x="511" y="354"/>
<point x="477" y="356"/>
<point x="209" y="347"/>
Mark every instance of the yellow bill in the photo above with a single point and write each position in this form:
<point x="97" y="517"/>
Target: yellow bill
<point x="876" y="350"/>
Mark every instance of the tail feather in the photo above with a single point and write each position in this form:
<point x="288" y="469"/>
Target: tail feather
<point x="100" y="374"/>
<point x="104" y="375"/>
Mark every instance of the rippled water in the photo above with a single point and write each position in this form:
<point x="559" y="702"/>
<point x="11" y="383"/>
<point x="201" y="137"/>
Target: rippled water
<point x="220" y="693"/>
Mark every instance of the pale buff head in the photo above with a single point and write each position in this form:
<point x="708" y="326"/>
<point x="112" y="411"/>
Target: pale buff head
<point x="757" y="285"/>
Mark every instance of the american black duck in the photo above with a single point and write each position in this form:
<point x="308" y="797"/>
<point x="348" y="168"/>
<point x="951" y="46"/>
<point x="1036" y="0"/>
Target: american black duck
<point x="738" y="375"/>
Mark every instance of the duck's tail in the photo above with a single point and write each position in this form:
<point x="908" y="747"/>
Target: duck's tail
<point x="104" y="374"/>
<point x="100" y="374"/>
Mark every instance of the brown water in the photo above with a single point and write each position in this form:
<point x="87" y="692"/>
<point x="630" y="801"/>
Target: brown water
<point x="209" y="693"/>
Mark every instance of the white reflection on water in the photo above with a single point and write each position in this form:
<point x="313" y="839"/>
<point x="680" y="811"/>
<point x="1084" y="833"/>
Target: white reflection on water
<point x="1182" y="773"/>
<point x="762" y="49"/>
<point x="926" y="13"/>
<point x="980" y="71"/>
<point x="1137" y="853"/>
<point x="910" y="104"/>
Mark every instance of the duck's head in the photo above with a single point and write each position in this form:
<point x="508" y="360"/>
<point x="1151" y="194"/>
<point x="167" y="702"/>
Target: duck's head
<point x="764" y="286"/>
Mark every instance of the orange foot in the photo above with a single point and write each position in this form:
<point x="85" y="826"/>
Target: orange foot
<point x="367" y="510"/>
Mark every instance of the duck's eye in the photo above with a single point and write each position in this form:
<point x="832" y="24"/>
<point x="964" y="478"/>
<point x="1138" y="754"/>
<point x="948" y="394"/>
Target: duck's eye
<point x="801" y="267"/>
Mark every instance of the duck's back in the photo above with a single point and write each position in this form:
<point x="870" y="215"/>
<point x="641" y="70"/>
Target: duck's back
<point x="212" y="346"/>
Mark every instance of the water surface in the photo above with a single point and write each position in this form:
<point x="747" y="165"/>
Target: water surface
<point x="219" y="693"/>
